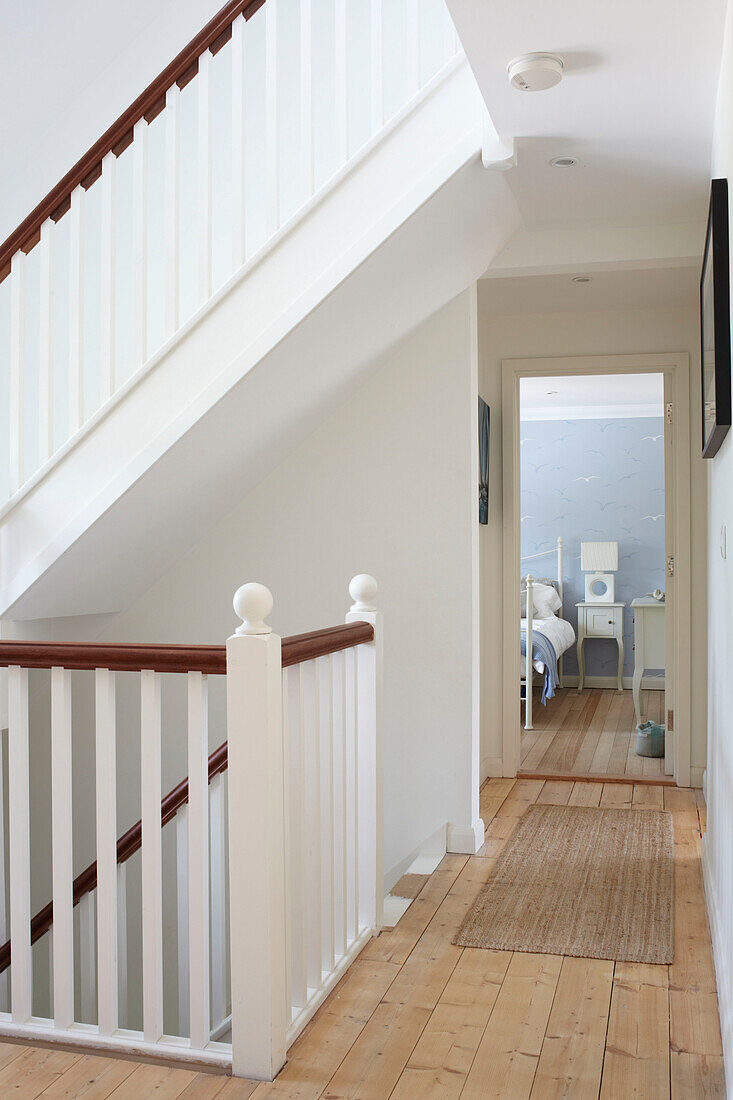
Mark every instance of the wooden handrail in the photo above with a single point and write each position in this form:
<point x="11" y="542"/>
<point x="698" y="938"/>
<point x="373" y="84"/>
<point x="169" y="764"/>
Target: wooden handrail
<point x="116" y="139"/>
<point x="126" y="657"/>
<point x="162" y="658"/>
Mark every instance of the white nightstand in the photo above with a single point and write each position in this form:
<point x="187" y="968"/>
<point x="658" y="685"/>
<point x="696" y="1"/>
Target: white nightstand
<point x="600" y="620"/>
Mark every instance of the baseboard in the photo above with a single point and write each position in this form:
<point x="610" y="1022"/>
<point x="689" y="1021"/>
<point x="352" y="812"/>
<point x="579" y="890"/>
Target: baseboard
<point x="723" y="974"/>
<point x="696" y="776"/>
<point x="425" y="857"/>
<point x="492" y="767"/>
<point x="465" y="840"/>
<point x="648" y="683"/>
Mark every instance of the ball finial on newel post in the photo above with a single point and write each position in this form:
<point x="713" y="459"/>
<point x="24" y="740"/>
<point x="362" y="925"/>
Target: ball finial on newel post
<point x="363" y="590"/>
<point x="253" y="603"/>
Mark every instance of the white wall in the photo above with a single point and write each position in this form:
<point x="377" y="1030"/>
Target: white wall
<point x="717" y="849"/>
<point x="564" y="334"/>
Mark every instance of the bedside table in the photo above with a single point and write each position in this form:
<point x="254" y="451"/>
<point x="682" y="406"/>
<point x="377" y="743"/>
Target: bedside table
<point x="600" y="620"/>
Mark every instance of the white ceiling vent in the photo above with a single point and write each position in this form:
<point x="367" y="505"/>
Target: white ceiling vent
<point x="535" y="72"/>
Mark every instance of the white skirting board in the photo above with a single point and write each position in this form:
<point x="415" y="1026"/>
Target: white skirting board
<point x="420" y="861"/>
<point x="492" y="767"/>
<point x="723" y="972"/>
<point x="465" y="840"/>
<point x="696" y="776"/>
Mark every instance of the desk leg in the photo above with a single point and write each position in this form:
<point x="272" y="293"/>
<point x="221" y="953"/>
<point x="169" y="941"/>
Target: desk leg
<point x="638" y="672"/>
<point x="620" y="663"/>
<point x="581" y="663"/>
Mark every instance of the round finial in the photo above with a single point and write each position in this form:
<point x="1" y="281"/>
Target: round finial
<point x="362" y="590"/>
<point x="253" y="603"/>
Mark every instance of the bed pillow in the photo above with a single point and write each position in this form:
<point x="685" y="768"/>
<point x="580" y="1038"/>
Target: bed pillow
<point x="544" y="597"/>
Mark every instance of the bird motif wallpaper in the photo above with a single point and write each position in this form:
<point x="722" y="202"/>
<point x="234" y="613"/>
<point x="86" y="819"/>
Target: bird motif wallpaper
<point x="595" y="481"/>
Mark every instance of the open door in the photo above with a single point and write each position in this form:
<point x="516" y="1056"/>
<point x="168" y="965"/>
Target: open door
<point x="670" y="496"/>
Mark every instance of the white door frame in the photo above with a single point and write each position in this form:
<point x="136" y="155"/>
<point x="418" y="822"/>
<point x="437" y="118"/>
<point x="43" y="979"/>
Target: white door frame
<point x="676" y="368"/>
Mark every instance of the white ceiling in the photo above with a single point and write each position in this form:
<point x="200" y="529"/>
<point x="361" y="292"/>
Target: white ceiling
<point x="581" y="396"/>
<point x="635" y="104"/>
<point x="652" y="288"/>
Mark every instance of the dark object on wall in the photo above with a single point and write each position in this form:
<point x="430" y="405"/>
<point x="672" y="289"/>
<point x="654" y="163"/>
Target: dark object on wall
<point x="715" y="323"/>
<point x="484" y="422"/>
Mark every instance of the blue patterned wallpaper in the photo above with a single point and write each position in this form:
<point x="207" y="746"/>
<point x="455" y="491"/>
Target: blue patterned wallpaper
<point x="595" y="481"/>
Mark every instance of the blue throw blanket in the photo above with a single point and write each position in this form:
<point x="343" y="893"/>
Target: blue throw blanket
<point x="543" y="650"/>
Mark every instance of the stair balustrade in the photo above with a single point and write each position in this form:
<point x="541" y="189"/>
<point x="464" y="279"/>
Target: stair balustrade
<point x="276" y="842"/>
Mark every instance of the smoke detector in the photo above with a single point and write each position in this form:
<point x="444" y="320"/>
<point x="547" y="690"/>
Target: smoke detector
<point x="535" y="72"/>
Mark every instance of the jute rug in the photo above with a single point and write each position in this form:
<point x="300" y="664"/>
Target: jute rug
<point x="576" y="880"/>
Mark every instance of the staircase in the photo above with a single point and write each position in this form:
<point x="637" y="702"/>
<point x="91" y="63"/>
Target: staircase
<point x="299" y="188"/>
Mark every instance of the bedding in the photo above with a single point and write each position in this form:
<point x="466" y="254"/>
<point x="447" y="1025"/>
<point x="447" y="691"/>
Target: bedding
<point x="550" y="638"/>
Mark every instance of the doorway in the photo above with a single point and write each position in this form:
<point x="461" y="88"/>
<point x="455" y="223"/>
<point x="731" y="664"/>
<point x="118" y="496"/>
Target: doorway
<point x="575" y="708"/>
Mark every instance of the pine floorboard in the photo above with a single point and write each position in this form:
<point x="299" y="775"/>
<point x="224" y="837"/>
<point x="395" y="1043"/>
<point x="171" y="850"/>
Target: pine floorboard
<point x="591" y="733"/>
<point x="416" y="1016"/>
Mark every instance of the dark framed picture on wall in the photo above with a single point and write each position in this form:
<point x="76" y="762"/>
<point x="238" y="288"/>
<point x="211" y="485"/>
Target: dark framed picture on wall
<point x="484" y="426"/>
<point x="715" y="324"/>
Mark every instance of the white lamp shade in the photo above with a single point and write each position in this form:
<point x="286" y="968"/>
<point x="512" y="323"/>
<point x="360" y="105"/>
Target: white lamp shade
<point x="599" y="557"/>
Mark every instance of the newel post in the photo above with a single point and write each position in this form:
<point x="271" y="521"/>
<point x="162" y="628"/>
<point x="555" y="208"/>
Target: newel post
<point x="256" y="839"/>
<point x="363" y="591"/>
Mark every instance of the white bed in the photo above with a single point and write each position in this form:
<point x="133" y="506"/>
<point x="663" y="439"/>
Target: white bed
<point x="545" y="639"/>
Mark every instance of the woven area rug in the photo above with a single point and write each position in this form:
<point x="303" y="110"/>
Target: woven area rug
<point x="582" y="881"/>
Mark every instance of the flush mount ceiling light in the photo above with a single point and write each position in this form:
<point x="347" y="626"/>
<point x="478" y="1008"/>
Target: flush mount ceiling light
<point x="582" y="279"/>
<point x="563" y="162"/>
<point x="535" y="72"/>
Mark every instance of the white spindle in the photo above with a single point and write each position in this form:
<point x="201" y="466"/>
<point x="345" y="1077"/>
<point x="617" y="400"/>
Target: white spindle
<point x="297" y="841"/>
<point x="172" y="186"/>
<point x="324" y="672"/>
<point x="219" y="959"/>
<point x="412" y="47"/>
<point x="203" y="85"/>
<point x="256" y="815"/>
<point x="122" y="941"/>
<point x="341" y="112"/>
<point x="376" y="89"/>
<point x="306" y="97"/>
<point x="108" y="275"/>
<point x="152" y="872"/>
<point x="363" y="590"/>
<point x="339" y="772"/>
<point x="20" y="894"/>
<point x="63" y="862"/>
<point x="451" y="37"/>
<point x="311" y="824"/>
<point x="4" y="986"/>
<point x="239" y="228"/>
<point x="272" y="120"/>
<point x="140" y="242"/>
<point x="198" y="859"/>
<point x="351" y="885"/>
<point x="88" y="959"/>
<point x="16" y="433"/>
<point x="182" y="918"/>
<point x="107" y="874"/>
<point x="76" y="310"/>
<point x="45" y="341"/>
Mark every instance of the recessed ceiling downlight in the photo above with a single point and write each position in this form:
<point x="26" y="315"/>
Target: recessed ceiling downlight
<point x="563" y="162"/>
<point x="535" y="72"/>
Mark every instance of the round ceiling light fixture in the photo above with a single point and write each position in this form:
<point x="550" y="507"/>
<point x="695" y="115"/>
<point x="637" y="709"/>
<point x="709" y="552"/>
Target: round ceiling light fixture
<point x="563" y="162"/>
<point x="582" y="279"/>
<point x="535" y="72"/>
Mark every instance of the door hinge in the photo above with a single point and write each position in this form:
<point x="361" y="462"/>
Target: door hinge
<point x="670" y="566"/>
<point x="670" y="412"/>
<point x="670" y="720"/>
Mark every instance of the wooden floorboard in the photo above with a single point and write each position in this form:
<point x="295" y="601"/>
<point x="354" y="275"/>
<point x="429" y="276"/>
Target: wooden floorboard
<point x="592" y="732"/>
<point x="416" y="1016"/>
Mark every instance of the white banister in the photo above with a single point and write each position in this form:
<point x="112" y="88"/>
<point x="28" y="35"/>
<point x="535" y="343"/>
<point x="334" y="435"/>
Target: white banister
<point x="107" y="874"/>
<point x="198" y="859"/>
<point x="76" y="310"/>
<point x="46" y="341"/>
<point x="152" y="870"/>
<point x="239" y="226"/>
<point x="16" y="432"/>
<point x="108" y="276"/>
<point x="62" y="854"/>
<point x="21" y="972"/>
<point x="363" y="590"/>
<point x="172" y="189"/>
<point x="140" y="242"/>
<point x="256" y="819"/>
<point x="204" y="176"/>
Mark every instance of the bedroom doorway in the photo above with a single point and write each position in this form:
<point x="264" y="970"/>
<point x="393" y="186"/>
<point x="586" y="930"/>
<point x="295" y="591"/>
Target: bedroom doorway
<point x="594" y="543"/>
